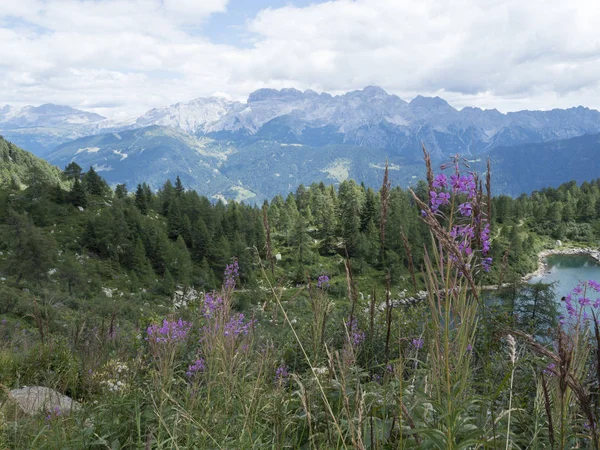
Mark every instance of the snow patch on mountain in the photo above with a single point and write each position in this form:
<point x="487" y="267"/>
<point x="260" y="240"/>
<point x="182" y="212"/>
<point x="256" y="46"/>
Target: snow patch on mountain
<point x="102" y="168"/>
<point x="121" y="154"/>
<point x="382" y="166"/>
<point x="88" y="150"/>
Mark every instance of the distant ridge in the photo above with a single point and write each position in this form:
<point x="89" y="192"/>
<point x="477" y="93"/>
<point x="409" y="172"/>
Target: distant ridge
<point x="369" y="118"/>
<point x="279" y="139"/>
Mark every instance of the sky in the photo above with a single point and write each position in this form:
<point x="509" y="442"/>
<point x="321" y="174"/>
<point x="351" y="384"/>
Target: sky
<point x="122" y="57"/>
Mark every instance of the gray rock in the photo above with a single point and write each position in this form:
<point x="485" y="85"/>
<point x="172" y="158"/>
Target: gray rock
<point x="35" y="399"/>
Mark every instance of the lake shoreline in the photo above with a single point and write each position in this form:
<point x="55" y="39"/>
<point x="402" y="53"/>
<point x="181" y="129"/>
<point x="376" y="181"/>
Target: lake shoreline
<point x="543" y="263"/>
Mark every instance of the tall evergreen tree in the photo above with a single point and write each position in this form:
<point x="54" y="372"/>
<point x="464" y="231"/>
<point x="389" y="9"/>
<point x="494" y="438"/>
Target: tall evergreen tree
<point x="175" y="222"/>
<point x="31" y="252"/>
<point x="93" y="183"/>
<point x="179" y="189"/>
<point x="141" y="201"/>
<point x="72" y="171"/>
<point x="77" y="195"/>
<point x="121" y="191"/>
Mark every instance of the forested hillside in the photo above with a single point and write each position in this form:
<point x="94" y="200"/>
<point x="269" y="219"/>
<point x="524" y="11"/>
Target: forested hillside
<point x="19" y="168"/>
<point x="174" y="237"/>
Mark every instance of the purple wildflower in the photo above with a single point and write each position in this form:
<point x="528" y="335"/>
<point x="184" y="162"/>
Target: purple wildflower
<point x="169" y="332"/>
<point x="549" y="370"/>
<point x="357" y="336"/>
<point x="211" y="304"/>
<point x="231" y="274"/>
<point x="437" y="200"/>
<point x="463" y="184"/>
<point x="323" y="281"/>
<point x="569" y="306"/>
<point x="561" y="319"/>
<point x="486" y="263"/>
<point x="584" y="301"/>
<point x="462" y="231"/>
<point x="594" y="285"/>
<point x="417" y="343"/>
<point x="53" y="414"/>
<point x="465" y="248"/>
<point x="195" y="367"/>
<point x="237" y="326"/>
<point x="485" y="239"/>
<point x="441" y="181"/>
<point x="465" y="209"/>
<point x="281" y="374"/>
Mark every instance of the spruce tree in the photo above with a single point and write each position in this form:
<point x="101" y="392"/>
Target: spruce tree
<point x="121" y="191"/>
<point x="140" y="200"/>
<point x="72" y="171"/>
<point x="93" y="183"/>
<point x="77" y="195"/>
<point x="178" y="187"/>
<point x="31" y="252"/>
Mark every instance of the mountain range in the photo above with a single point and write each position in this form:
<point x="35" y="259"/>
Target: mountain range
<point x="278" y="139"/>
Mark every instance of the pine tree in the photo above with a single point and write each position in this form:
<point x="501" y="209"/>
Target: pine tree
<point x="300" y="240"/>
<point x="201" y="241"/>
<point x="137" y="260"/>
<point x="147" y="191"/>
<point x="31" y="252"/>
<point x="181" y="266"/>
<point x="77" y="195"/>
<point x="71" y="273"/>
<point x="351" y="201"/>
<point x="175" y="224"/>
<point x="302" y="198"/>
<point x="166" y="196"/>
<point x="178" y="187"/>
<point x="72" y="171"/>
<point x="121" y="191"/>
<point x="93" y="183"/>
<point x="368" y="212"/>
<point x="167" y="285"/>
<point x="140" y="200"/>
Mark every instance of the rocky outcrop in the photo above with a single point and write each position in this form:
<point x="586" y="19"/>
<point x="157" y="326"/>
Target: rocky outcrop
<point x="39" y="399"/>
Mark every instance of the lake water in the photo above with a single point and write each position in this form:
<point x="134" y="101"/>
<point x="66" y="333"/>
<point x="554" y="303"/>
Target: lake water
<point x="567" y="271"/>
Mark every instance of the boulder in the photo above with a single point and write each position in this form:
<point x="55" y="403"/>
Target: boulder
<point x="39" y="399"/>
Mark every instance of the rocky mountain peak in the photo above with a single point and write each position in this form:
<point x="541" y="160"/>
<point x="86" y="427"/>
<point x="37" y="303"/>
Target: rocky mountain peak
<point x="430" y="103"/>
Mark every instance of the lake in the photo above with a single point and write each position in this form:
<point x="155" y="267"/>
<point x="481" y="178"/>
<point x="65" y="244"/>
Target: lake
<point x="567" y="271"/>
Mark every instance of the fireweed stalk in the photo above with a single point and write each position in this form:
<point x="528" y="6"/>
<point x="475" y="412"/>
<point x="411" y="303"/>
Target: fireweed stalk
<point x="164" y="342"/>
<point x="225" y="336"/>
<point x="456" y="213"/>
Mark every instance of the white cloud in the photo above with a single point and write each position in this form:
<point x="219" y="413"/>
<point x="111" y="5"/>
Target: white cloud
<point x="129" y="55"/>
